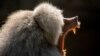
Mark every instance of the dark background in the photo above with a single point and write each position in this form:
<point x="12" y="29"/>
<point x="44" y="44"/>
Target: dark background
<point x="86" y="41"/>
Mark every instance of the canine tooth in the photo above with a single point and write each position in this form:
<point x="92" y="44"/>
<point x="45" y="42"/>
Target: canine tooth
<point x="74" y="31"/>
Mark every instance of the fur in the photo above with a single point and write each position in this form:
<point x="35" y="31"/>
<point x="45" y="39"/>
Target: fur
<point x="32" y="33"/>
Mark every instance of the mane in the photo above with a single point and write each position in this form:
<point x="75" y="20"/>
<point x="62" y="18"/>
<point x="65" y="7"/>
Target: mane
<point x="28" y="32"/>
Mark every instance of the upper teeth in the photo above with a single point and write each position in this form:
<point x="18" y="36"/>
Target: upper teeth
<point x="78" y="24"/>
<point x="74" y="31"/>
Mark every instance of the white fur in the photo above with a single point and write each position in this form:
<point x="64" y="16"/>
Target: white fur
<point x="49" y="18"/>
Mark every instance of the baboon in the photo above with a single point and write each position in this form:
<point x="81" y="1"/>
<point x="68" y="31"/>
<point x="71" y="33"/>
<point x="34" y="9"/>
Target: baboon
<point x="32" y="33"/>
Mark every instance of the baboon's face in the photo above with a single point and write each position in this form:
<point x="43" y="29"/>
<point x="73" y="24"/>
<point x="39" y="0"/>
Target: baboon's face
<point x="71" y="24"/>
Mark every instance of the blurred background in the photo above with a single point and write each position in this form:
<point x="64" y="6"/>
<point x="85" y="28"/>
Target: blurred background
<point x="86" y="41"/>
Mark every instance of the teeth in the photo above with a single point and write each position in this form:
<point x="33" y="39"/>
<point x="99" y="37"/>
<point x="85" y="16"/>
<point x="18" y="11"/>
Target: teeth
<point x="64" y="52"/>
<point x="78" y="24"/>
<point x="74" y="31"/>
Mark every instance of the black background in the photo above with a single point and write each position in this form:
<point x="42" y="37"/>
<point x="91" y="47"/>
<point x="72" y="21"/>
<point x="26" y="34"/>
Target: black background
<point x="86" y="41"/>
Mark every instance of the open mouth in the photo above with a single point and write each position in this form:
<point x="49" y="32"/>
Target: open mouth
<point x="74" y="31"/>
<point x="71" y="24"/>
<point x="75" y="28"/>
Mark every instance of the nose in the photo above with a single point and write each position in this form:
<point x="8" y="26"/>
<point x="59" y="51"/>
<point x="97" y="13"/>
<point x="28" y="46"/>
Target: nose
<point x="78" y="22"/>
